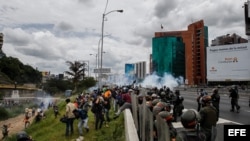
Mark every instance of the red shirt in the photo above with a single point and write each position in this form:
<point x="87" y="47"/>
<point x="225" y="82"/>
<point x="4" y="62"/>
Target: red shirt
<point x="126" y="97"/>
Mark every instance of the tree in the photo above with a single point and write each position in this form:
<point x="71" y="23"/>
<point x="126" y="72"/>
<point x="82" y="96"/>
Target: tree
<point x="18" y="72"/>
<point x="87" y="83"/>
<point x="76" y="71"/>
<point x="54" y="86"/>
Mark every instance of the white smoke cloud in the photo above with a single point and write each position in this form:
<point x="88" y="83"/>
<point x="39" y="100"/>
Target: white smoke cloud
<point x="156" y="81"/>
<point x="149" y="82"/>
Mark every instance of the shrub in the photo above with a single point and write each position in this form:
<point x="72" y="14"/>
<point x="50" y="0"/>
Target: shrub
<point x="4" y="113"/>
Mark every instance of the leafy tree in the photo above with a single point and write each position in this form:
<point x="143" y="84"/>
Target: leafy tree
<point x="54" y="85"/>
<point x="19" y="72"/>
<point x="86" y="83"/>
<point x="76" y="72"/>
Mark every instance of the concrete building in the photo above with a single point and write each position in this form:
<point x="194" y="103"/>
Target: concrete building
<point x="140" y="70"/>
<point x="195" y="39"/>
<point x="228" y="39"/>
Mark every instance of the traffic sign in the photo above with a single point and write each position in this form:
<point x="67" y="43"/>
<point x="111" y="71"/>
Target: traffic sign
<point x="103" y="70"/>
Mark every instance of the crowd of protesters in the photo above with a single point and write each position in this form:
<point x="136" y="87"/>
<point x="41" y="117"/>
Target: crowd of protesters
<point x="197" y="124"/>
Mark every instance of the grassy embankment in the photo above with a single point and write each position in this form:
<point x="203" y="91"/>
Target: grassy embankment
<point x="51" y="129"/>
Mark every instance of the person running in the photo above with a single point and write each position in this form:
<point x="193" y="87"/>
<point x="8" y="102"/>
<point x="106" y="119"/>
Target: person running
<point x="82" y="116"/>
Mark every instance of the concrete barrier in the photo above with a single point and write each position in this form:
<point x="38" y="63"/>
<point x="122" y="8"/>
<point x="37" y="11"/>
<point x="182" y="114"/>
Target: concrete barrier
<point x="130" y="130"/>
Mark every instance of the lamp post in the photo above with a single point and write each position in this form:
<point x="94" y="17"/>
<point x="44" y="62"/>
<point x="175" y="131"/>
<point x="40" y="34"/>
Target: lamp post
<point x="103" y="17"/>
<point x="95" y="63"/>
<point x="95" y="59"/>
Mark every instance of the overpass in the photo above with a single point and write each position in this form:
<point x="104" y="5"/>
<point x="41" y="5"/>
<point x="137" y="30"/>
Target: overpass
<point x="7" y="90"/>
<point x="18" y="87"/>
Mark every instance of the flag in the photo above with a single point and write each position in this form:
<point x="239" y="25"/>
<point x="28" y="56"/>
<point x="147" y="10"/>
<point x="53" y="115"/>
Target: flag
<point x="161" y="26"/>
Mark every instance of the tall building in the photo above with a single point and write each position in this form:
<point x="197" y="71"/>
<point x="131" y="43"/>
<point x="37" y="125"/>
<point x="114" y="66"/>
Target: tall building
<point x="140" y="70"/>
<point x="195" y="39"/>
<point x="168" y="56"/>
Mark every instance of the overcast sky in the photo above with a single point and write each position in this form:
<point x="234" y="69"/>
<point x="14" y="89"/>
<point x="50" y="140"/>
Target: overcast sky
<point x="47" y="33"/>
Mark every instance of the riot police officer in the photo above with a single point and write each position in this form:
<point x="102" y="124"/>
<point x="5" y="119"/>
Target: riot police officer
<point x="178" y="106"/>
<point x="190" y="121"/>
<point x="209" y="118"/>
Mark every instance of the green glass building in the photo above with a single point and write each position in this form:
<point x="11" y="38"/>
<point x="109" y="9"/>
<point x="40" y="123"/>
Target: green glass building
<point x="168" y="56"/>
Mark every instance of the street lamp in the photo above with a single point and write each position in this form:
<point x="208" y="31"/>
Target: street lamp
<point x="103" y="17"/>
<point x="95" y="59"/>
<point x="95" y="62"/>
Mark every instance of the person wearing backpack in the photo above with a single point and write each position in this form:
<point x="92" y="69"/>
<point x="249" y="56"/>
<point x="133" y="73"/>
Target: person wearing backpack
<point x="191" y="132"/>
<point x="82" y="116"/>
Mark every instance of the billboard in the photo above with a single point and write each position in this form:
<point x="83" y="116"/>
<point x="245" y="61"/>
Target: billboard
<point x="228" y="62"/>
<point x="102" y="70"/>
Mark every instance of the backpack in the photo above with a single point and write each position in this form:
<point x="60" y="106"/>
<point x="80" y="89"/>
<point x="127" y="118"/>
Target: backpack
<point x="94" y="108"/>
<point x="76" y="113"/>
<point x="28" y="114"/>
<point x="119" y="99"/>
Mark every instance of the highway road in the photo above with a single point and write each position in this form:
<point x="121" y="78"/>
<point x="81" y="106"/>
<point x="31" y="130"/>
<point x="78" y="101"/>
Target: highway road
<point x="226" y="117"/>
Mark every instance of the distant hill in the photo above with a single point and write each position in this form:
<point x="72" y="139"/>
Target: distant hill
<point x="4" y="79"/>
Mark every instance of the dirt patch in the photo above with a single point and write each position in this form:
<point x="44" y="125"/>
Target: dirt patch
<point x="16" y="124"/>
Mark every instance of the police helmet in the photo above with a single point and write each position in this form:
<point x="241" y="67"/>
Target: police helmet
<point x="190" y="118"/>
<point x="177" y="92"/>
<point x="161" y="104"/>
<point x="215" y="90"/>
<point x="125" y="89"/>
<point x="164" y="105"/>
<point x="206" y="99"/>
<point x="22" y="136"/>
<point x="155" y="101"/>
<point x="166" y="115"/>
<point x="163" y="93"/>
<point x="156" y="110"/>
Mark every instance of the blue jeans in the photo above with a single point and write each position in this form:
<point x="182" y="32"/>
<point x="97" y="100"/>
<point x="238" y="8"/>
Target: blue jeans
<point x="69" y="126"/>
<point x="83" y="123"/>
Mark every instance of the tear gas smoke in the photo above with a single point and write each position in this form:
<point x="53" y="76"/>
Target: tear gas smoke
<point x="149" y="82"/>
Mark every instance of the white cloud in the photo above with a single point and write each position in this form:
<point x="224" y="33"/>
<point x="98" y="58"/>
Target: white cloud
<point x="46" y="34"/>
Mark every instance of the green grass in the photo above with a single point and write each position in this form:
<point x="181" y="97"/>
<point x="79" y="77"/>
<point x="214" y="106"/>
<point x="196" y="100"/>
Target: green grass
<point x="51" y="129"/>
